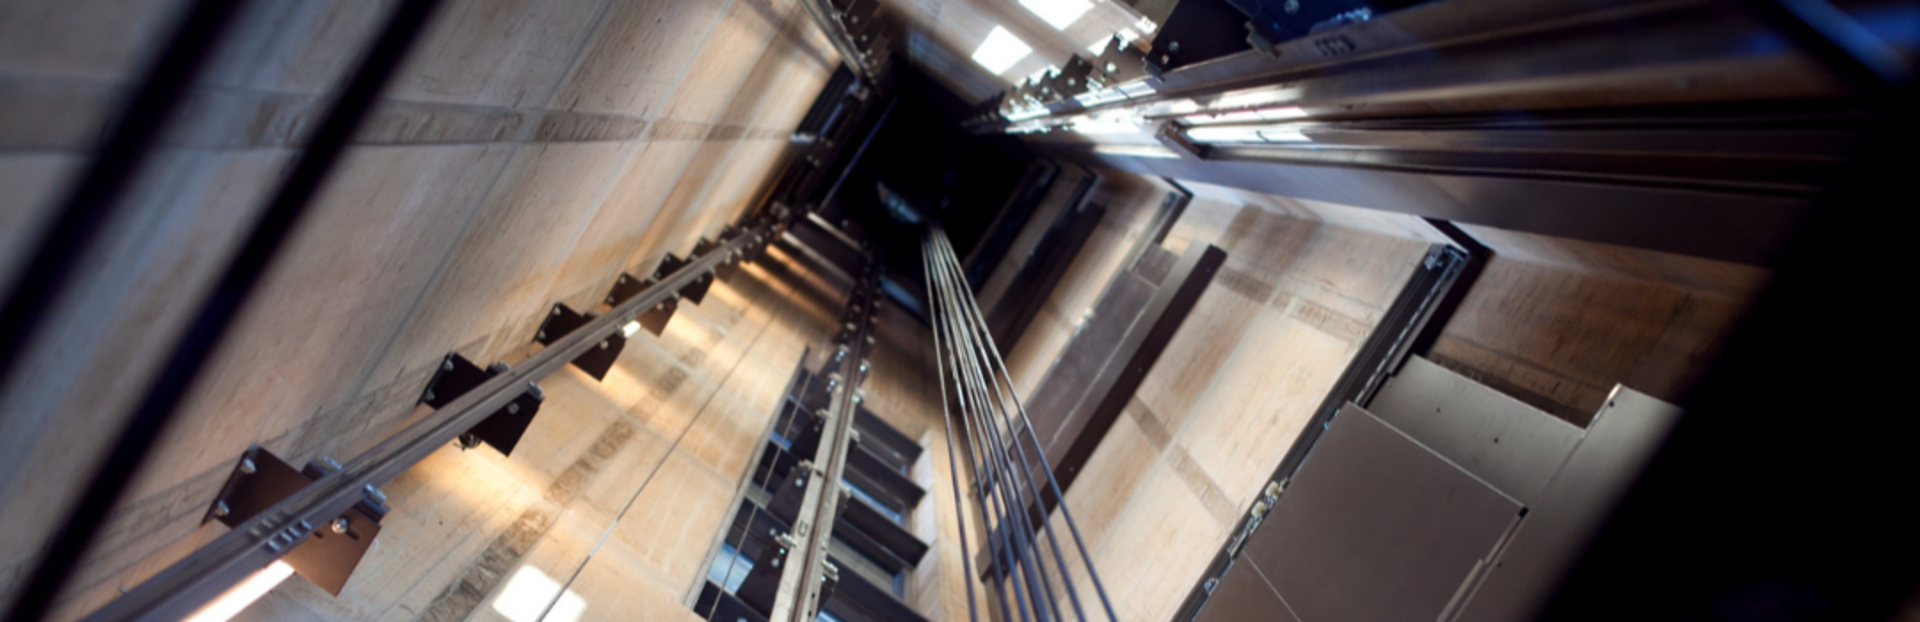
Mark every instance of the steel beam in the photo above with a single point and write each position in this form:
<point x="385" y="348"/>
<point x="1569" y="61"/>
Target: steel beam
<point x="181" y="588"/>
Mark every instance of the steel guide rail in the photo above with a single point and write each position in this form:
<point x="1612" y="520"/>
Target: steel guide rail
<point x="180" y="589"/>
<point x="1004" y="480"/>
<point x="799" y="597"/>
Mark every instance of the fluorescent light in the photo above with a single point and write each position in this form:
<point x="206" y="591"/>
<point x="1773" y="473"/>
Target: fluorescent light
<point x="239" y="597"/>
<point x="1242" y="116"/>
<point x="628" y="329"/>
<point x="530" y="591"/>
<point x="1000" y="51"/>
<point x="1244" y="134"/>
<point x="1106" y="126"/>
<point x="1058" y="13"/>
<point x="1136" y="151"/>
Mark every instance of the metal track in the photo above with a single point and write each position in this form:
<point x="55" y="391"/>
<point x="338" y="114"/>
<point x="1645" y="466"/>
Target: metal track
<point x="183" y="587"/>
<point x="799" y="598"/>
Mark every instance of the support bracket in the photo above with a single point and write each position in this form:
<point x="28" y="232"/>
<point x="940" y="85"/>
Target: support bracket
<point x="504" y="427"/>
<point x="563" y="320"/>
<point x="328" y="555"/>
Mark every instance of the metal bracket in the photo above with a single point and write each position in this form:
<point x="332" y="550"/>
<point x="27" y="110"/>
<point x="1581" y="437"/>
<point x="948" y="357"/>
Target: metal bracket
<point x="504" y="427"/>
<point x="595" y="362"/>
<point x="328" y="554"/>
<point x="655" y="319"/>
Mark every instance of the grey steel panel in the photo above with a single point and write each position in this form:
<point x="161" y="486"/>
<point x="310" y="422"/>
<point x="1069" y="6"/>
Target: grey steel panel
<point x="1617" y="447"/>
<point x="1513" y="446"/>
<point x="1244" y="595"/>
<point x="1376" y="527"/>
<point x="1072" y="376"/>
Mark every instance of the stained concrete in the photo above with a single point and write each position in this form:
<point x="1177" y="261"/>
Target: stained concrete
<point x="522" y="156"/>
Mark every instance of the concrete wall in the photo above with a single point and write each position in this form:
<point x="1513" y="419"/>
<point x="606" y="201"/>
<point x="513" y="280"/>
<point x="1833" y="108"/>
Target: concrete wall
<point x="1555" y="322"/>
<point x="528" y="152"/>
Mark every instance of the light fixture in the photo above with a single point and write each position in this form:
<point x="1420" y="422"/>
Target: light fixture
<point x="1058" y="13"/>
<point x="1136" y="151"/>
<point x="1243" y="116"/>
<point x="1245" y="134"/>
<point x="1000" y="51"/>
<point x="239" y="597"/>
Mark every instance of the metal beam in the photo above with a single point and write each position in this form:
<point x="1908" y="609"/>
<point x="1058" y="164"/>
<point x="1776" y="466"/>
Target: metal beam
<point x="186" y="585"/>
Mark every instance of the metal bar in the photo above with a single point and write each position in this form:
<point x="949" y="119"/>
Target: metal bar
<point x="251" y="546"/>
<point x="980" y="339"/>
<point x="94" y="198"/>
<point x="798" y="598"/>
<point x="218" y="309"/>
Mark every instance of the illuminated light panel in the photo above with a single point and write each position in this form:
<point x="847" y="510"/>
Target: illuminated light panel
<point x="1058" y="13"/>
<point x="239" y="597"/>
<point x="1268" y="134"/>
<point x="529" y="591"/>
<point x="1000" y="51"/>
<point x="1136" y="151"/>
<point x="1106" y="127"/>
<point x="1243" y="116"/>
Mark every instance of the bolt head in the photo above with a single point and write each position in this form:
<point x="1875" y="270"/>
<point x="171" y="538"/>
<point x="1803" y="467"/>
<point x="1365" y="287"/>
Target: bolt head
<point x="1173" y="47"/>
<point x="513" y="408"/>
<point x="340" y="525"/>
<point x="556" y="309"/>
<point x="541" y="334"/>
<point x="246" y="466"/>
<point x="447" y="365"/>
<point x="220" y="509"/>
<point x="429" y="395"/>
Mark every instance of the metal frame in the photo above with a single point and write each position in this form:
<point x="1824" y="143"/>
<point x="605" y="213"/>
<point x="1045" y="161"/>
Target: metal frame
<point x="199" y="577"/>
<point x="800" y="588"/>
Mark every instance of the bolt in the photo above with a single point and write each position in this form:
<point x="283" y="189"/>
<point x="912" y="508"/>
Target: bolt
<point x="1173" y="47"/>
<point x="375" y="494"/>
<point x="447" y="365"/>
<point x="220" y="509"/>
<point x="246" y="466"/>
<point x="541" y="334"/>
<point x="513" y="408"/>
<point x="429" y="396"/>
<point x="1111" y="67"/>
<point x="556" y="309"/>
<point x="340" y="525"/>
<point x="603" y="345"/>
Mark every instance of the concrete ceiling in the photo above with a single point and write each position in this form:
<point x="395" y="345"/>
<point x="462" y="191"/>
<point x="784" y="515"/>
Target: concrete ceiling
<point x="943" y="35"/>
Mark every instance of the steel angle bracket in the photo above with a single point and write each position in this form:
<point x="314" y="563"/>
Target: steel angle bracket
<point x="655" y="319"/>
<point x="328" y="554"/>
<point x="727" y="267"/>
<point x="563" y="320"/>
<point x="502" y="429"/>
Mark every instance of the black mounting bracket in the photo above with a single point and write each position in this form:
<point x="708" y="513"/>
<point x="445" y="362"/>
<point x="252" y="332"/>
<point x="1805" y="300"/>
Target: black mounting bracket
<point x="595" y="362"/>
<point x="330" y="553"/>
<point x="655" y="319"/>
<point x="504" y="427"/>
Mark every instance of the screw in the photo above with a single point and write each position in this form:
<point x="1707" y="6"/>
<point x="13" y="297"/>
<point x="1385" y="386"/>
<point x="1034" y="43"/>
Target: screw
<point x="447" y="365"/>
<point x="1111" y="67"/>
<point x="340" y="525"/>
<point x="541" y="334"/>
<point x="603" y="345"/>
<point x="556" y="309"/>
<point x="1173" y="47"/>
<point x="513" y="408"/>
<point x="220" y="509"/>
<point x="246" y="466"/>
<point x="375" y="494"/>
<point x="429" y="395"/>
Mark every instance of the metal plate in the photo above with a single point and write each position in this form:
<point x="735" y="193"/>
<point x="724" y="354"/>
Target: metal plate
<point x="1244" y="595"/>
<point x="1375" y="527"/>
<point x="1511" y="445"/>
<point x="1581" y="496"/>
